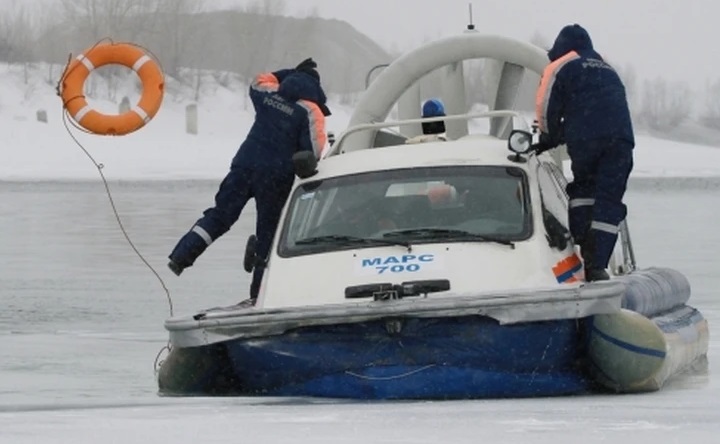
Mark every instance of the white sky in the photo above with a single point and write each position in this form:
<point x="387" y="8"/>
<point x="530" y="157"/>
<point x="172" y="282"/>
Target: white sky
<point x="666" y="38"/>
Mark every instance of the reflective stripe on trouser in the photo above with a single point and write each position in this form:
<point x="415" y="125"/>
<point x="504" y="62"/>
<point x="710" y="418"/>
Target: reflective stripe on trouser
<point x="270" y="188"/>
<point x="580" y="211"/>
<point x="230" y="199"/>
<point x="604" y="238"/>
<point x="600" y="171"/>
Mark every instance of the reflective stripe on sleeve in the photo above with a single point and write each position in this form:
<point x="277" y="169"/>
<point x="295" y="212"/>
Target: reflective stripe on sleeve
<point x="266" y="82"/>
<point x="316" y="119"/>
<point x="542" y="99"/>
<point x="200" y="231"/>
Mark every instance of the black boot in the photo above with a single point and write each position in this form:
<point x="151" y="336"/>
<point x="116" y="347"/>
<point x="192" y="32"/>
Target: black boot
<point x="596" y="274"/>
<point x="247" y="303"/>
<point x="587" y="251"/>
<point x="175" y="267"/>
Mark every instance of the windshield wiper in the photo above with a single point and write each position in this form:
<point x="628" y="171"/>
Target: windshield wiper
<point x="448" y="233"/>
<point x="346" y="239"/>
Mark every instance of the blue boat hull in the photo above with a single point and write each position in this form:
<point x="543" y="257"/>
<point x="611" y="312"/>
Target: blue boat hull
<point x="654" y="337"/>
<point x="417" y="358"/>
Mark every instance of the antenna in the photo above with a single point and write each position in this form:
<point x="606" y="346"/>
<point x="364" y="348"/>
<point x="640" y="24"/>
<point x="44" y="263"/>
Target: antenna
<point x="470" y="26"/>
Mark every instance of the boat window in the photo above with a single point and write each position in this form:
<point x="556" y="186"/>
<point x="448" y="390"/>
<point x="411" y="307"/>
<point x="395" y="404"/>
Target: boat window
<point x="407" y="206"/>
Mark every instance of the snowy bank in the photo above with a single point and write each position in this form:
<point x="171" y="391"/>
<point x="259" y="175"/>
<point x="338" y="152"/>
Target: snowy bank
<point x="32" y="150"/>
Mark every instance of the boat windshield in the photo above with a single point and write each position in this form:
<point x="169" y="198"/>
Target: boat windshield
<point x="408" y="206"/>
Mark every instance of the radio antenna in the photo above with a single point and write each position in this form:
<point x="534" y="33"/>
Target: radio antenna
<point x="470" y="26"/>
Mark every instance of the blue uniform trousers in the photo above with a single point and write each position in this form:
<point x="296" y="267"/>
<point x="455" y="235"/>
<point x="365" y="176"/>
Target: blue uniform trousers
<point x="269" y="186"/>
<point x="600" y="173"/>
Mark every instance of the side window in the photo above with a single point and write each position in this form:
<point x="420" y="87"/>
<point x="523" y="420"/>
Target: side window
<point x="555" y="206"/>
<point x="306" y="208"/>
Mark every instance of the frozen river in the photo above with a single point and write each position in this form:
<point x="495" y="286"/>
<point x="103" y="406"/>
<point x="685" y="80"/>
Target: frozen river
<point x="81" y="325"/>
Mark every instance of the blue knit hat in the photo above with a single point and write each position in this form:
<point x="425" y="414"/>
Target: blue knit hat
<point x="433" y="108"/>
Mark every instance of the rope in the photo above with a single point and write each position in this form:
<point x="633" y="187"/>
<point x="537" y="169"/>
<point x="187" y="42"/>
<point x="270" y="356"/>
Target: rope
<point x="100" y="167"/>
<point x="389" y="378"/>
<point x="67" y="123"/>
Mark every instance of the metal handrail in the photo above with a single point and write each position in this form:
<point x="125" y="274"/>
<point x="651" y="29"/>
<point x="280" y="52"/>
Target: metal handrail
<point x="392" y="123"/>
<point x="373" y="69"/>
<point x="628" y="253"/>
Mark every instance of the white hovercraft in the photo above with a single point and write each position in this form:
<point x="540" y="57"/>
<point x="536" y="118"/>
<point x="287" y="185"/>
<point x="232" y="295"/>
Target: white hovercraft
<point x="438" y="270"/>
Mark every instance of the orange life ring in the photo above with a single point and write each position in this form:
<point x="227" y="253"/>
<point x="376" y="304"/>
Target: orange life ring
<point x="126" y="54"/>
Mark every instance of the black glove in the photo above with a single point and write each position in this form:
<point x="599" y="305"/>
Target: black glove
<point x="305" y="164"/>
<point x="545" y="143"/>
<point x="306" y="65"/>
<point x="539" y="148"/>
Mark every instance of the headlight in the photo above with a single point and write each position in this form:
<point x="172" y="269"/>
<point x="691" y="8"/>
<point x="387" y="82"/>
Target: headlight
<point x="520" y="141"/>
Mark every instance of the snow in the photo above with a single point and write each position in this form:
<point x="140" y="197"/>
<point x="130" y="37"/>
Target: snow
<point x="162" y="150"/>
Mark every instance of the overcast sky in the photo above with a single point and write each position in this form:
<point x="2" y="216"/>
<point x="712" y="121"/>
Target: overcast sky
<point x="669" y="38"/>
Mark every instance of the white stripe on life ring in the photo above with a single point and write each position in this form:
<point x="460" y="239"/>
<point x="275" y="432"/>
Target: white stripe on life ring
<point x="85" y="61"/>
<point x="80" y="114"/>
<point x="141" y="112"/>
<point x="140" y="62"/>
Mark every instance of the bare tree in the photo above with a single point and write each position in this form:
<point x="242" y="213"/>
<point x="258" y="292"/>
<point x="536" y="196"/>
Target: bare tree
<point x="106" y="18"/>
<point x="629" y="78"/>
<point x="267" y="7"/>
<point x="711" y="115"/>
<point x="184" y="42"/>
<point x="256" y="55"/>
<point x="665" y="105"/>
<point x="16" y="40"/>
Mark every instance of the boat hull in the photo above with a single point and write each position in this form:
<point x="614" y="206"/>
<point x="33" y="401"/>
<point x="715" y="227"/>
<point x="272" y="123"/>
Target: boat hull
<point x="631" y="335"/>
<point x="429" y="358"/>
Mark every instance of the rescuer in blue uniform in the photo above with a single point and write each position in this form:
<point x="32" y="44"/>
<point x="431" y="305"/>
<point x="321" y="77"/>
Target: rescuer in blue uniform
<point x="581" y="102"/>
<point x="290" y="115"/>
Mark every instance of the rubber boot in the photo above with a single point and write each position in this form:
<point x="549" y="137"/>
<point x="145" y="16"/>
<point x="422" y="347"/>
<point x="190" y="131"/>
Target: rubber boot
<point x="587" y="251"/>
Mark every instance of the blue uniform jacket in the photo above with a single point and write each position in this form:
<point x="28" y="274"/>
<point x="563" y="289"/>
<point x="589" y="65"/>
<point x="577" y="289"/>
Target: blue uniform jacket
<point x="289" y="116"/>
<point x="581" y="97"/>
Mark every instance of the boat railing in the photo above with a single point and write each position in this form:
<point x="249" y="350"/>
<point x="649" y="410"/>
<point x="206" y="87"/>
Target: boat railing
<point x="336" y="148"/>
<point x="628" y="254"/>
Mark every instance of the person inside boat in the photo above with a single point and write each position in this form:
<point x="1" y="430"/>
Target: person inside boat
<point x="290" y="117"/>
<point x="581" y="101"/>
<point x="432" y="131"/>
<point x="495" y="206"/>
